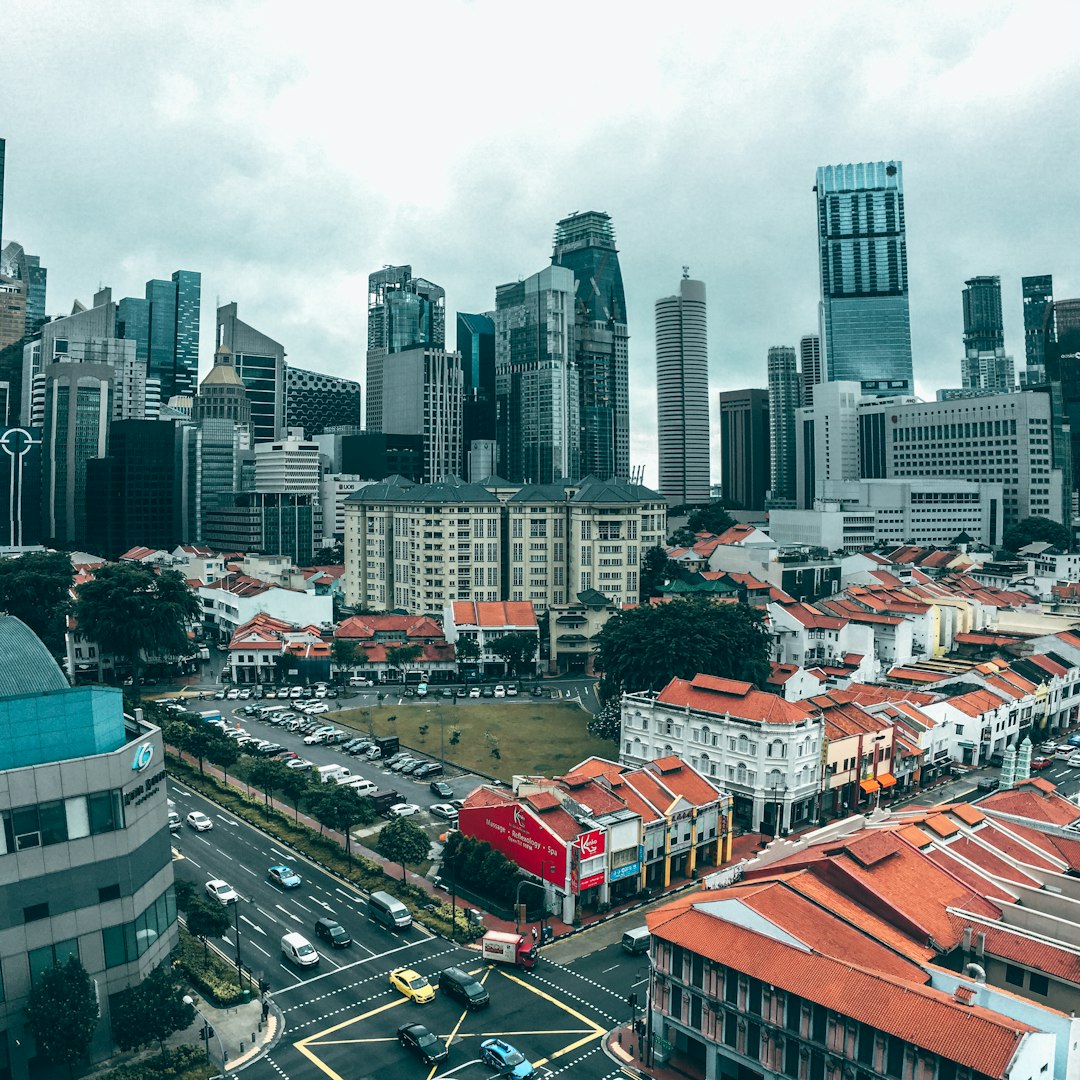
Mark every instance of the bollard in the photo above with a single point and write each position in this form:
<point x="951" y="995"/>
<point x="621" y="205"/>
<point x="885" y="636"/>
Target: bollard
<point x="253" y="1035"/>
<point x="619" y="1036"/>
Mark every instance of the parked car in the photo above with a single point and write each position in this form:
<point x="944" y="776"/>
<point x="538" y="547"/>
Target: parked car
<point x="461" y="692"/>
<point x="474" y="692"/>
<point x="285" y="876"/>
<point x="500" y="690"/>
<point x="403" y="809"/>
<point x="1074" y="760"/>
<point x="988" y="783"/>
<point x="221" y="891"/>
<point x="441" y="788"/>
<point x="298" y="763"/>
<point x="1048" y="748"/>
<point x="199" y="821"/>
<point x="444" y="811"/>
<point x="427" y="1047"/>
<point x="330" y="930"/>
<point x="425" y="772"/>
<point x="511" y="691"/>
<point x="487" y="691"/>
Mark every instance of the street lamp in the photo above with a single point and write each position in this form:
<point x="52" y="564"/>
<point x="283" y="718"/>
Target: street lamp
<point x="236" y="926"/>
<point x="206" y="1029"/>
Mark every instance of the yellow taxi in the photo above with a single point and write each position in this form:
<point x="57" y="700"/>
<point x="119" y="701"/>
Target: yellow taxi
<point x="413" y="985"/>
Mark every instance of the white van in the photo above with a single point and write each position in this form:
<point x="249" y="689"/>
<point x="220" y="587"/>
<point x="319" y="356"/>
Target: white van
<point x="358" y="784"/>
<point x="298" y="950"/>
<point x="357" y="680"/>
<point x="326" y="773"/>
<point x="636" y="941"/>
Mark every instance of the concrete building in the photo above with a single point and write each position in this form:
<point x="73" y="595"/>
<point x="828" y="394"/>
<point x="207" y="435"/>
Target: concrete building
<point x="785" y="397"/>
<point x="85" y="840"/>
<point x="811" y="369"/>
<point x="1038" y="299"/>
<point x="259" y="360"/>
<point x="315" y="402"/>
<point x="572" y="629"/>
<point x="745" y="467"/>
<point x="288" y="465"/>
<point x="682" y="394"/>
<point x="12" y="311"/>
<point x="233" y="600"/>
<point x="483" y="623"/>
<point x="334" y="489"/>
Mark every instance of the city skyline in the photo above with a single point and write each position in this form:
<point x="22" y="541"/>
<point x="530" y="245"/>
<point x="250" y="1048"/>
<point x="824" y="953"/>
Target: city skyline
<point x="726" y="188"/>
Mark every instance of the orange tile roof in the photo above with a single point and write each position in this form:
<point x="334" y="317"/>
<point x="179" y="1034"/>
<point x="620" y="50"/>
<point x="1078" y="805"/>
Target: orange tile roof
<point x="1009" y="944"/>
<point x="367" y="626"/>
<point x="968" y="1034"/>
<point x="494" y="614"/>
<point x="985" y="886"/>
<point x="1035" y="799"/>
<point x="683" y="780"/>
<point x="710" y="694"/>
<point x="917" y="675"/>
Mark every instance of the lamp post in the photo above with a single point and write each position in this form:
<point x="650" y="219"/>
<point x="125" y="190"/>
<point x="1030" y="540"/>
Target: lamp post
<point x="236" y="927"/>
<point x="206" y="1029"/>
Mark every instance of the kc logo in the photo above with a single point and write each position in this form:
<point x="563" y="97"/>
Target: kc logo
<point x="143" y="756"/>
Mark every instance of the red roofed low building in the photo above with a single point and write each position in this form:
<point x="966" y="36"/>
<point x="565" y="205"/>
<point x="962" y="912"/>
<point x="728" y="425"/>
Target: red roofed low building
<point x="804" y="635"/>
<point x="762" y="749"/>
<point x="376" y="636"/>
<point x="484" y="622"/>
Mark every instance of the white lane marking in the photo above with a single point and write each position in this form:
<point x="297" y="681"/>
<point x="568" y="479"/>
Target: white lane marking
<point x="337" y="967"/>
<point x="243" y="867"/>
<point x="229" y="857"/>
<point x="291" y="976"/>
<point x="181" y="791"/>
<point x="272" y="918"/>
<point x="302" y="908"/>
<point x="289" y="913"/>
<point x="259" y="947"/>
<point x="203" y="839"/>
<point x="193" y="862"/>
<point x="606" y="970"/>
<point x="355" y="963"/>
<point x="640" y="981"/>
<point x="254" y="926"/>
<point x="322" y="903"/>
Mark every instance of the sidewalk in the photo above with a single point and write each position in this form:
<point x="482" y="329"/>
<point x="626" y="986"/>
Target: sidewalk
<point x="238" y="1033"/>
<point x="623" y="1045"/>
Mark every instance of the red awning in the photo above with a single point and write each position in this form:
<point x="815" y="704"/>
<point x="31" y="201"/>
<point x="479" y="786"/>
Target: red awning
<point x="869" y="785"/>
<point x="886" y="779"/>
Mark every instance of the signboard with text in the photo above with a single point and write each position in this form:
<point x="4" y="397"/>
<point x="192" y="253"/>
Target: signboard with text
<point x="520" y="837"/>
<point x="591" y="844"/>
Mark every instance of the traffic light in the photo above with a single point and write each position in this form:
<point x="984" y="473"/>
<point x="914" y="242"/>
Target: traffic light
<point x="547" y="934"/>
<point x="207" y="1032"/>
<point x="632" y="999"/>
<point x="264" y="986"/>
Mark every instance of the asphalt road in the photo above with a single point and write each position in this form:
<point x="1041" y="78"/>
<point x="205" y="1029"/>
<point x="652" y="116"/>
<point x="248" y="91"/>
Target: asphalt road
<point x="341" y="1020"/>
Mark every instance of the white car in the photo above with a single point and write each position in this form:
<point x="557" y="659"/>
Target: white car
<point x="445" y="810"/>
<point x="221" y="891"/>
<point x="474" y="691"/>
<point x="295" y="691"/>
<point x="199" y="821"/>
<point x="232" y="695"/>
<point x="1074" y="760"/>
<point x="318" y="708"/>
<point x="320" y="691"/>
<point x="511" y="691"/>
<point x="403" y="809"/>
<point x="298" y="763"/>
<point x="500" y="690"/>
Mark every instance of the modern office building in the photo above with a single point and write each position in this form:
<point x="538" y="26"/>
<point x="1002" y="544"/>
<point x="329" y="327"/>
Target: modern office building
<point x="785" y="398"/>
<point x="536" y="381"/>
<point x="1038" y="299"/>
<point x="827" y="440"/>
<point x="267" y="523"/>
<point x="745" y="468"/>
<point x="260" y="363"/>
<point x="811" y="370"/>
<point x="334" y="489"/>
<point x="20" y="487"/>
<point x="865" y="323"/>
<point x="988" y="371"/>
<point x="682" y="394"/>
<point x="984" y="326"/>
<point x="288" y="465"/>
<point x="585" y="243"/>
<point x="12" y="311"/>
<point x="173" y="337"/>
<point x="15" y="263"/>
<point x="85" y="844"/>
<point x="374" y="455"/>
<point x="422" y="396"/>
<point x="315" y="402"/>
<point x="476" y="344"/>
<point x="404" y="313"/>
<point x="222" y="393"/>
<point x="3" y="155"/>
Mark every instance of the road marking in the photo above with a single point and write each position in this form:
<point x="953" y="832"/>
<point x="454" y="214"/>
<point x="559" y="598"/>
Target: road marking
<point x="641" y="981"/>
<point x="357" y="963"/>
<point x="203" y="839"/>
<point x="254" y="926"/>
<point x="192" y="861"/>
<point x="259" y="947"/>
<point x="316" y="1060"/>
<point x="289" y="913"/>
<point x="302" y="908"/>
<point x="606" y="970"/>
<point x="337" y="966"/>
<point x="292" y="975"/>
<point x="243" y="867"/>
<point x="229" y="857"/>
<point x="272" y="918"/>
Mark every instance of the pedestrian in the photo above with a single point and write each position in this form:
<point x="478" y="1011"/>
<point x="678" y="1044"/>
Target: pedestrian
<point x="534" y="935"/>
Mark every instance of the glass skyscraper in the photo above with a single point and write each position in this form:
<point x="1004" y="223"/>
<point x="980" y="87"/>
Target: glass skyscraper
<point x="585" y="243"/>
<point x="476" y="344"/>
<point x="260" y="362"/>
<point x="172" y="346"/>
<point x="865" y="323"/>
<point x="1038" y="294"/>
<point x="984" y="327"/>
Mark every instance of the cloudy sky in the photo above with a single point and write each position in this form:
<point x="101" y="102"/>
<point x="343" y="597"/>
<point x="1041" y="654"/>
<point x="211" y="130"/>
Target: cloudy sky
<point x="285" y="151"/>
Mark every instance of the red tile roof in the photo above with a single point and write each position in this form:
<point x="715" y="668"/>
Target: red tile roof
<point x="408" y="626"/>
<point x="917" y="675"/>
<point x="494" y="614"/>
<point x="1035" y="799"/>
<point x="708" y="693"/>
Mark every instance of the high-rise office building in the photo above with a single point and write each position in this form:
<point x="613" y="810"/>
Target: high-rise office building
<point x="1038" y="297"/>
<point x="12" y="311"/>
<point x="536" y="382"/>
<point x="15" y="263"/>
<point x="865" y="323"/>
<point x="785" y="397"/>
<point x="585" y="243"/>
<point x="403" y="313"/>
<point x="316" y="402"/>
<point x="984" y="326"/>
<point x="185" y="370"/>
<point x="745" y="471"/>
<point x="3" y="155"/>
<point x="811" y="370"/>
<point x="476" y="344"/>
<point x="682" y="394"/>
<point x="259" y="360"/>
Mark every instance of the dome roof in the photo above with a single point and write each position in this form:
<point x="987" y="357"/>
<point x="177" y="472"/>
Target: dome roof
<point x="28" y="666"/>
<point x="223" y="375"/>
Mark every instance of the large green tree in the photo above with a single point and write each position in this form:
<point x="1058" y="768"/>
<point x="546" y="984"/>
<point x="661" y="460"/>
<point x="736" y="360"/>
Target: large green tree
<point x="63" y="1013"/>
<point x="206" y="919"/>
<point x="399" y="656"/>
<point x="403" y="842"/>
<point x="1037" y="529"/>
<point x="37" y="589"/>
<point x="646" y="647"/>
<point x="151" y="1011"/>
<point x="132" y="612"/>
<point x="345" y="655"/>
<point x="466" y="650"/>
<point x="656" y="569"/>
<point x="712" y="518"/>
<point x="518" y="650"/>
<point x="341" y="808"/>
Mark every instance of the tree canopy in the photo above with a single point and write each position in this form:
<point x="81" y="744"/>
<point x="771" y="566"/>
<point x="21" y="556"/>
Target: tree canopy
<point x="646" y="647"/>
<point x="63" y="1013"/>
<point x="398" y="656"/>
<point x="340" y="808"/>
<point x="1037" y="529"/>
<point x="607" y="723"/>
<point x="403" y="842"/>
<point x="131" y="612"/>
<point x="206" y="920"/>
<point x="151" y="1011"/>
<point x="36" y="588"/>
<point x="656" y="568"/>
<point x="712" y="518"/>
<point x="517" y="649"/>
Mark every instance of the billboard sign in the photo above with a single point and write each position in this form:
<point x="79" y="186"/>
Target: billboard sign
<point x="621" y="872"/>
<point x="591" y="844"/>
<point x="591" y="881"/>
<point x="520" y="837"/>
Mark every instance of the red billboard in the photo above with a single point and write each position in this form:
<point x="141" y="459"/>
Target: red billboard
<point x="520" y="837"/>
<point x="591" y="844"/>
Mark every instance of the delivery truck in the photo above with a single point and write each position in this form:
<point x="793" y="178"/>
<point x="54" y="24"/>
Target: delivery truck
<point x="503" y="948"/>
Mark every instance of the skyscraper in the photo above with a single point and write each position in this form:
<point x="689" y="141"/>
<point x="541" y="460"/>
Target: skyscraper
<point x="984" y="328"/>
<point x="536" y="382"/>
<point x="403" y="313"/>
<point x="784" y="398"/>
<point x="744" y="448"/>
<point x="1038" y="294"/>
<point x="810" y="367"/>
<point x="260" y="362"/>
<point x="682" y="394"/>
<point x="173" y="333"/>
<point x="476" y="344"/>
<point x="15" y="263"/>
<point x="3" y="155"/>
<point x="865" y="324"/>
<point x="316" y="402"/>
<point x="585" y="243"/>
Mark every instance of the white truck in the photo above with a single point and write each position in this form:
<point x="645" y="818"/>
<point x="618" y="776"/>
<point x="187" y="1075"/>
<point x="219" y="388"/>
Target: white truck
<point x="326" y="773"/>
<point x="503" y="948"/>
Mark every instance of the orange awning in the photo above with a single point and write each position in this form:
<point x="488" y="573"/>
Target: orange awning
<point x="886" y="779"/>
<point x="869" y="786"/>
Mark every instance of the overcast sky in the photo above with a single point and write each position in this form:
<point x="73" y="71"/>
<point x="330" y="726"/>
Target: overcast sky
<point x="285" y="154"/>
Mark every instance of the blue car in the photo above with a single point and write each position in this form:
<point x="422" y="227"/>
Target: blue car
<point x="284" y="876"/>
<point x="502" y="1056"/>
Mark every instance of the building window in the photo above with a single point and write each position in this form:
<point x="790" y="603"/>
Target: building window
<point x="128" y="941"/>
<point x="108" y="892"/>
<point x="50" y="956"/>
<point x="1014" y="975"/>
<point x="35" y="912"/>
<point x="1038" y="984"/>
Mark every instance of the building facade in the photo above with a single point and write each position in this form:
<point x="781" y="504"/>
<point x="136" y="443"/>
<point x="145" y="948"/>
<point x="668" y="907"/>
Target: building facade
<point x="811" y="369"/>
<point x="745" y="466"/>
<point x="476" y="346"/>
<point x="315" y="402"/>
<point x="682" y="394"/>
<point x="260" y="363"/>
<point x="862" y="246"/>
<point x="1038" y="298"/>
<point x="785" y="397"/>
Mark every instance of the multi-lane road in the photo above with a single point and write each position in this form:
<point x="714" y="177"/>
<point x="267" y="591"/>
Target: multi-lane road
<point x="341" y="1019"/>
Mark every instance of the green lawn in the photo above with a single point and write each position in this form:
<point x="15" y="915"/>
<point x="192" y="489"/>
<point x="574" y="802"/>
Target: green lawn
<point x="542" y="738"/>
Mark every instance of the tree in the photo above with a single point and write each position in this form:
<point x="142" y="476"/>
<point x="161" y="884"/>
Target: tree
<point x="517" y="649"/>
<point x="466" y="650"/>
<point x="222" y="752"/>
<point x="199" y="742"/>
<point x="646" y="647"/>
<point x="398" y="656"/>
<point x="1037" y="529"/>
<point x="343" y="654"/>
<point x="656" y="569"/>
<point x="607" y="723"/>
<point x="341" y="808"/>
<point x="36" y="588"/>
<point x="268" y="777"/>
<point x="293" y="785"/>
<point x="63" y="1013"/>
<point x="151" y="1011"/>
<point x="206" y="920"/>
<point x="712" y="518"/>
<point x="403" y="842"/>
<point x="131" y="612"/>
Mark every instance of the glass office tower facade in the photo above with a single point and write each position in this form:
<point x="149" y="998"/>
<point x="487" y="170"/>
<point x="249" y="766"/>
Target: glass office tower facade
<point x="984" y="327"/>
<point x="476" y="344"/>
<point x="1038" y="295"/>
<point x="585" y="243"/>
<point x="865" y="322"/>
<point x="188" y="286"/>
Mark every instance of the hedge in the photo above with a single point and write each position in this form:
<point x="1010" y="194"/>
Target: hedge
<point x="212" y="976"/>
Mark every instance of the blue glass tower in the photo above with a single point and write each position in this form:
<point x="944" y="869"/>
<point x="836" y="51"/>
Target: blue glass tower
<point x="133" y="324"/>
<point x="188" y="285"/>
<point x="862" y="247"/>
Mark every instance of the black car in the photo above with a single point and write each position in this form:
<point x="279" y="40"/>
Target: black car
<point x="432" y="768"/>
<point x="429" y="1048"/>
<point x="441" y="788"/>
<point x="488" y="691"/>
<point x="988" y="783"/>
<point x="332" y="931"/>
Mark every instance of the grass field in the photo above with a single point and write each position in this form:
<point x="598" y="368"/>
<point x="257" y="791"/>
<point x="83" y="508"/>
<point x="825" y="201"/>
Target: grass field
<point x="542" y="738"/>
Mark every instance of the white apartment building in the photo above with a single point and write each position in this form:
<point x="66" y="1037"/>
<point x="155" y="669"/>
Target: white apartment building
<point x="334" y="489"/>
<point x="764" y="750"/>
<point x="288" y="465"/>
<point x="852" y="515"/>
